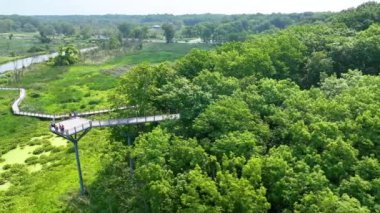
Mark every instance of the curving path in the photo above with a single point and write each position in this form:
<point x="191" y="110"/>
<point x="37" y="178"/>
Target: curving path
<point x="16" y="109"/>
<point x="77" y="124"/>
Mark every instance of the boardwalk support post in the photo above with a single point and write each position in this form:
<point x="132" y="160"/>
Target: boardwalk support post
<point x="82" y="190"/>
<point x="75" y="139"/>
<point x="130" y="158"/>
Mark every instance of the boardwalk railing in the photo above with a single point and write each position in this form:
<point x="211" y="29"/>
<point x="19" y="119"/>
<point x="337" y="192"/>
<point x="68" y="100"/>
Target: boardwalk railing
<point x="16" y="110"/>
<point x="115" y="122"/>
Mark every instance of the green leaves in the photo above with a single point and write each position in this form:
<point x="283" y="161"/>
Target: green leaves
<point x="242" y="144"/>
<point x="199" y="192"/>
<point x="239" y="195"/>
<point x="67" y="55"/>
<point x="168" y="32"/>
<point x="226" y="115"/>
<point x="338" y="160"/>
<point x="197" y="60"/>
<point x="326" y="201"/>
<point x="251" y="138"/>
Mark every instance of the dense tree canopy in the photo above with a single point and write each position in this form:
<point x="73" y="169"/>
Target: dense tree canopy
<point x="168" y="32"/>
<point x="250" y="138"/>
<point x="286" y="121"/>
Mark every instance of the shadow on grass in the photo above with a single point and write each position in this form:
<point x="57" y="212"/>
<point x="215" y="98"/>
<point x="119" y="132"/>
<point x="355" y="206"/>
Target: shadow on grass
<point x="112" y="188"/>
<point x="106" y="194"/>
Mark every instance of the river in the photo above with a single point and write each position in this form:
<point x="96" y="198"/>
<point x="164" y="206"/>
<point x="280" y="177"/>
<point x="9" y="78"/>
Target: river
<point x="26" y="62"/>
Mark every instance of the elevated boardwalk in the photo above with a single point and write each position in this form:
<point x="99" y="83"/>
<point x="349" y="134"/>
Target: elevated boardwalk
<point x="75" y="128"/>
<point x="77" y="125"/>
<point x="16" y="108"/>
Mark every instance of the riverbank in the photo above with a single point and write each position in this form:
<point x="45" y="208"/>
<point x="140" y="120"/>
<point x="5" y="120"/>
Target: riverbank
<point x="26" y="62"/>
<point x="5" y="59"/>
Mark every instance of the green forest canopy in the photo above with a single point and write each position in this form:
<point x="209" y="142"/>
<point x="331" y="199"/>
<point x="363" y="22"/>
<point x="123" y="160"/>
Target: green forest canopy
<point x="287" y="121"/>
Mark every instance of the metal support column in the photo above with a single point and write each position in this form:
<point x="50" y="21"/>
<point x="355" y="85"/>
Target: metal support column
<point x="82" y="190"/>
<point x="75" y="138"/>
<point x="130" y="158"/>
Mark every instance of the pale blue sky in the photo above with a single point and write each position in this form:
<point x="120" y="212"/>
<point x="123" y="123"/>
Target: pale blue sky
<point x="86" y="7"/>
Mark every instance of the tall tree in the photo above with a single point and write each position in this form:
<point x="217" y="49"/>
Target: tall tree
<point x="125" y="29"/>
<point x="168" y="32"/>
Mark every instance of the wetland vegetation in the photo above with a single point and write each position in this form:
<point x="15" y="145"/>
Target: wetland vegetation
<point x="279" y="113"/>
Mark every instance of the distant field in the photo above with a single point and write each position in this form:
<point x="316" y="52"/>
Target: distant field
<point x="21" y="43"/>
<point x="18" y="45"/>
<point x="89" y="86"/>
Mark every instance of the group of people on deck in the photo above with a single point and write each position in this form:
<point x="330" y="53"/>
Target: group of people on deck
<point x="59" y="127"/>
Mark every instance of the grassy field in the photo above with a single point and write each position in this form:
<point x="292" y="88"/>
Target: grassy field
<point x="18" y="45"/>
<point x="89" y="86"/>
<point x="21" y="43"/>
<point x="45" y="179"/>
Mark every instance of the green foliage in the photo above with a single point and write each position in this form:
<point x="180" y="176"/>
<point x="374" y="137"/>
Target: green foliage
<point x="326" y="201"/>
<point x="281" y="122"/>
<point x="227" y="115"/>
<point x="238" y="128"/>
<point x="362" y="17"/>
<point x="238" y="195"/>
<point x="194" y="62"/>
<point x="32" y="160"/>
<point x="242" y="144"/>
<point x="359" y="189"/>
<point x="125" y="29"/>
<point x="168" y="32"/>
<point x="67" y="55"/>
<point x="278" y="120"/>
<point x="199" y="192"/>
<point x="368" y="168"/>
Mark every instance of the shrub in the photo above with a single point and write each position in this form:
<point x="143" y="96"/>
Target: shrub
<point x="56" y="149"/>
<point x="2" y="181"/>
<point x="48" y="147"/>
<point x="36" y="49"/>
<point x="94" y="102"/>
<point x="31" y="160"/>
<point x="35" y="95"/>
<point x="34" y="142"/>
<point x="7" y="166"/>
<point x="67" y="56"/>
<point x="38" y="151"/>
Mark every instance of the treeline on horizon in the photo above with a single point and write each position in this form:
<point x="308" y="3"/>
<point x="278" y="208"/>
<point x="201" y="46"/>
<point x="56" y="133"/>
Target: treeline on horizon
<point x="215" y="28"/>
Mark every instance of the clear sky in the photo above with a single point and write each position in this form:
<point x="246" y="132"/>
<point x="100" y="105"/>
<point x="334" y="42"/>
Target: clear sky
<point x="88" y="7"/>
